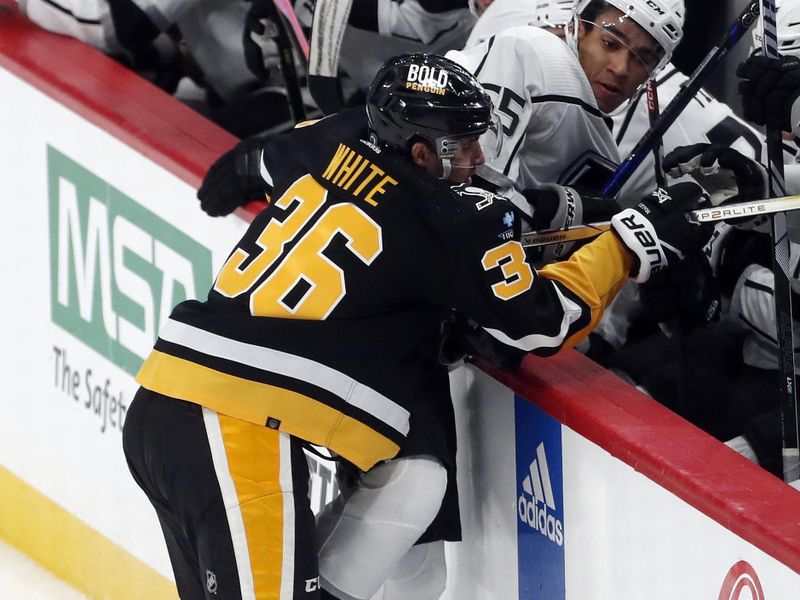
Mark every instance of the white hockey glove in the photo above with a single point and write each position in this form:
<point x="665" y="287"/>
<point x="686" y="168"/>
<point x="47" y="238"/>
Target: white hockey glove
<point x="727" y="176"/>
<point x="656" y="231"/>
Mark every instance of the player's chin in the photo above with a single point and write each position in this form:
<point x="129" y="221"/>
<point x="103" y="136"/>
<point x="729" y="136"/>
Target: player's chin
<point x="462" y="175"/>
<point x="608" y="99"/>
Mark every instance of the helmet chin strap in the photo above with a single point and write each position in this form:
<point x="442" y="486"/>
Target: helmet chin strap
<point x="447" y="167"/>
<point x="571" y="34"/>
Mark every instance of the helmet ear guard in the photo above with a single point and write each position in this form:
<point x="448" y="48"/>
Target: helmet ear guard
<point x="428" y="97"/>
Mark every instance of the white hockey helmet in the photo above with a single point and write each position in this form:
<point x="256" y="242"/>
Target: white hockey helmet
<point x="553" y="13"/>
<point x="787" y="23"/>
<point x="662" y="19"/>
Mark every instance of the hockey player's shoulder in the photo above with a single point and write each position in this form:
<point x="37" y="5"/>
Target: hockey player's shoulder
<point x="537" y="41"/>
<point x="491" y="212"/>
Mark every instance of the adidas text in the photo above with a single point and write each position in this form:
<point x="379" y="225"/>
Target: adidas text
<point x="537" y="497"/>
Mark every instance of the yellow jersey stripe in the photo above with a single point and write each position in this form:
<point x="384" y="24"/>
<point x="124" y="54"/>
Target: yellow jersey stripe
<point x="290" y="365"/>
<point x="257" y="402"/>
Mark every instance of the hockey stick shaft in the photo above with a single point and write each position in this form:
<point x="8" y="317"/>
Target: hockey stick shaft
<point x="547" y="237"/>
<point x="749" y="209"/>
<point x="736" y="210"/>
<point x="782" y="292"/>
<point x="286" y="8"/>
<point x="652" y="113"/>
<point x="653" y="136"/>
<point x="294" y="95"/>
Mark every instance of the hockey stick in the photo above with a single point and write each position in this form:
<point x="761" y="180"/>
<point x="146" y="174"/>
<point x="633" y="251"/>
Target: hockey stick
<point x="287" y="10"/>
<point x="294" y="95"/>
<point x="653" y="113"/>
<point x="547" y="237"/>
<point x="735" y="210"/>
<point x="327" y="33"/>
<point x="780" y="268"/>
<point x="738" y="210"/>
<point x="689" y="88"/>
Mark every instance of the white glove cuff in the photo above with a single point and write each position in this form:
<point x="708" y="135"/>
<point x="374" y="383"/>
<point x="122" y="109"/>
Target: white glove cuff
<point x="640" y="237"/>
<point x="570" y="207"/>
<point x="795" y="118"/>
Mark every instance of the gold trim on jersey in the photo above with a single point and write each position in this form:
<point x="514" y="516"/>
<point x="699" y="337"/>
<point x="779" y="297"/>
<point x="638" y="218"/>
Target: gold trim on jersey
<point x="270" y="360"/>
<point x="257" y="403"/>
<point x="595" y="273"/>
<point x="254" y="471"/>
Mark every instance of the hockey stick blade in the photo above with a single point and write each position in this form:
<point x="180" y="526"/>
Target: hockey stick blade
<point x="738" y="210"/>
<point x="547" y="237"/>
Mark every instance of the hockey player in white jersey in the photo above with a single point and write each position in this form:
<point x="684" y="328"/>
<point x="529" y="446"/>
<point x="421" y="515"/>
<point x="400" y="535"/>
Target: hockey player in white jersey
<point x="554" y="99"/>
<point x="705" y="119"/>
<point x="770" y="94"/>
<point x="769" y="88"/>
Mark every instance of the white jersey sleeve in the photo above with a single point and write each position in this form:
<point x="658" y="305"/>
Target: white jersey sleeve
<point x="86" y="20"/>
<point x="705" y="119"/>
<point x="553" y="131"/>
<point x="409" y="20"/>
<point x="753" y="308"/>
<point x="500" y="15"/>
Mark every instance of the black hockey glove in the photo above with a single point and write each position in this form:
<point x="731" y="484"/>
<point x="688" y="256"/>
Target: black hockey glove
<point x="234" y="179"/>
<point x="259" y="38"/>
<point x="557" y="206"/>
<point x="686" y="291"/>
<point x="462" y="337"/>
<point x="656" y="231"/>
<point x="769" y="88"/>
<point x="725" y="174"/>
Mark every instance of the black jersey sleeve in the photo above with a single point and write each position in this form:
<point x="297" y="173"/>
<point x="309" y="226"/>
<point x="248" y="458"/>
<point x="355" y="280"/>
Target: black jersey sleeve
<point x="494" y="283"/>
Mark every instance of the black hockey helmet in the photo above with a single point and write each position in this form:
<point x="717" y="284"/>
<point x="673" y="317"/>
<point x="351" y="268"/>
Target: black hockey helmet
<point x="427" y="96"/>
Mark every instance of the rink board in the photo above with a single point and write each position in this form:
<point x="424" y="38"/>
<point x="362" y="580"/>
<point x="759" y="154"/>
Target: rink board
<point x="102" y="233"/>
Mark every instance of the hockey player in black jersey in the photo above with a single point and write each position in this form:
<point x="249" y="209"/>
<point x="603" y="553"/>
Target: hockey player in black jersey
<point x="323" y="327"/>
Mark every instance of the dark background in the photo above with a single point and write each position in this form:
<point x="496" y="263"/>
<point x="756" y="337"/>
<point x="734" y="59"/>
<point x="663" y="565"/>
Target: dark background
<point x="706" y="23"/>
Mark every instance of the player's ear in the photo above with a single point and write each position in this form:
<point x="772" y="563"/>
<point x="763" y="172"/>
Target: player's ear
<point x="581" y="28"/>
<point x="421" y="154"/>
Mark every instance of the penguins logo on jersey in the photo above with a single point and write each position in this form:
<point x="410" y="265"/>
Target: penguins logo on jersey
<point x="427" y="79"/>
<point x="481" y="197"/>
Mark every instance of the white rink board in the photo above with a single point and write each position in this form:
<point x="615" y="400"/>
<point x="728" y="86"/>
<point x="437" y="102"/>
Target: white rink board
<point x="624" y="535"/>
<point x="627" y="537"/>
<point x="48" y="437"/>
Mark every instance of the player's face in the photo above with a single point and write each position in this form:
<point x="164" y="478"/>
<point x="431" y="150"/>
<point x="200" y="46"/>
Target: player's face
<point x="468" y="156"/>
<point x="617" y="56"/>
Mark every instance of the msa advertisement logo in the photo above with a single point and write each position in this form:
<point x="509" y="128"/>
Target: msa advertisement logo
<point x="540" y="503"/>
<point x="116" y="268"/>
<point x="536" y="505"/>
